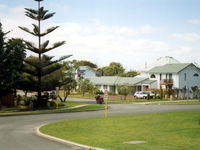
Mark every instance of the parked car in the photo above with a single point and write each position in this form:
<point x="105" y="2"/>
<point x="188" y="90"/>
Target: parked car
<point x="144" y="94"/>
<point x="52" y="94"/>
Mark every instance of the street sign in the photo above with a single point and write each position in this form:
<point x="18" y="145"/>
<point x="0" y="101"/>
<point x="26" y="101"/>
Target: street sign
<point x="105" y="94"/>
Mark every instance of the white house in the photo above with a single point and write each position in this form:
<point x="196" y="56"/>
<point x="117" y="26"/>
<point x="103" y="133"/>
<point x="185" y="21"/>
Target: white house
<point x="165" y="73"/>
<point x="179" y="75"/>
<point x="168" y="76"/>
<point x="110" y="83"/>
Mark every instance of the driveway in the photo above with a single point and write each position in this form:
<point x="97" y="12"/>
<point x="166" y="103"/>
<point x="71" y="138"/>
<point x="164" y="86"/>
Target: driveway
<point x="18" y="132"/>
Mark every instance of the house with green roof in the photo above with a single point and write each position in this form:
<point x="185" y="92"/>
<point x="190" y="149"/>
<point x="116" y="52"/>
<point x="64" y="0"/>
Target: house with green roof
<point x="167" y="76"/>
<point x="110" y="83"/>
<point x="177" y="75"/>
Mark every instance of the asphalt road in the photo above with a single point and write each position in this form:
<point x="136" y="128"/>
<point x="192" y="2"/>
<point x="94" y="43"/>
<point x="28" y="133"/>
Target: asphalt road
<point x="18" y="132"/>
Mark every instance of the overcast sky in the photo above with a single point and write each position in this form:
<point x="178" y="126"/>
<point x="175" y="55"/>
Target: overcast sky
<point x="131" y="32"/>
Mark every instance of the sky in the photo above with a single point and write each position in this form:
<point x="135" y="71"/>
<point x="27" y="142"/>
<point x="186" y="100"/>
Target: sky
<point x="131" y="32"/>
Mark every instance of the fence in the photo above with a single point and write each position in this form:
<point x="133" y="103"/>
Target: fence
<point x="7" y="100"/>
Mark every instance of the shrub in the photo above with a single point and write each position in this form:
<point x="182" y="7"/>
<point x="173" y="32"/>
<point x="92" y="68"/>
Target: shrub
<point x="22" y="102"/>
<point x="99" y="92"/>
<point x="125" y="90"/>
<point x="55" y="103"/>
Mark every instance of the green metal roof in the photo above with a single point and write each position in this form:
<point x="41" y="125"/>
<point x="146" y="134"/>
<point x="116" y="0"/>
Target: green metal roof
<point x="147" y="81"/>
<point x="169" y="68"/>
<point x="104" y="80"/>
<point x="129" y="80"/>
<point x="114" y="80"/>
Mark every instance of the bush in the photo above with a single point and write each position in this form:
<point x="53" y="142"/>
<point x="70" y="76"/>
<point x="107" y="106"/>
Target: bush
<point x="99" y="92"/>
<point x="125" y="90"/>
<point x="55" y="103"/>
<point x="22" y="102"/>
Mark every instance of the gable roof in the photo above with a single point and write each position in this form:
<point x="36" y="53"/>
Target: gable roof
<point x="115" y="80"/>
<point x="170" y="68"/>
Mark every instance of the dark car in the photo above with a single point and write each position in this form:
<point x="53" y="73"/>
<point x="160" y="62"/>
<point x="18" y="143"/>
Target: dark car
<point x="99" y="99"/>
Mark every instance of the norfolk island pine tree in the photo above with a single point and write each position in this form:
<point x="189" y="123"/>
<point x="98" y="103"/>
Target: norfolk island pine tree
<point x="41" y="68"/>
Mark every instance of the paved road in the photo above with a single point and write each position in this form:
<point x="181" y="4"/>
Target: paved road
<point x="18" y="132"/>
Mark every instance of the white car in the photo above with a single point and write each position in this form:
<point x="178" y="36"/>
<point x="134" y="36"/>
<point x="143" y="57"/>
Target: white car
<point x="144" y="94"/>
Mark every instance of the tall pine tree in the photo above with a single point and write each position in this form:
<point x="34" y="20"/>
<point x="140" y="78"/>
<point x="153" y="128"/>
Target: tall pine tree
<point x="42" y="67"/>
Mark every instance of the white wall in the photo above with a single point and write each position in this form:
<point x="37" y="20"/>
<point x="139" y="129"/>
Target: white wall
<point x="175" y="79"/>
<point x="109" y="88"/>
<point x="157" y="83"/>
<point x="153" y="85"/>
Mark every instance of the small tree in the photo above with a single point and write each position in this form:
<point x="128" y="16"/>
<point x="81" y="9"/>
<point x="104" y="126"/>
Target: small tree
<point x="41" y="68"/>
<point x="113" y="69"/>
<point x="85" y="86"/>
<point x="67" y="81"/>
<point x="125" y="90"/>
<point x="129" y="74"/>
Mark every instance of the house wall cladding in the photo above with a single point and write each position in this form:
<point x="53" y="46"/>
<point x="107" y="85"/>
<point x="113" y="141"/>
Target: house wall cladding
<point x="187" y="78"/>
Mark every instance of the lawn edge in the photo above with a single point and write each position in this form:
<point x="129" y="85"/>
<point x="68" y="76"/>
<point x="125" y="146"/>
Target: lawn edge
<point x="64" y="141"/>
<point x="41" y="113"/>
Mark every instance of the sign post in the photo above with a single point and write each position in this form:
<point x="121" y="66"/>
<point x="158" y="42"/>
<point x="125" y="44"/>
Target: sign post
<point x="57" y="94"/>
<point x="106" y="103"/>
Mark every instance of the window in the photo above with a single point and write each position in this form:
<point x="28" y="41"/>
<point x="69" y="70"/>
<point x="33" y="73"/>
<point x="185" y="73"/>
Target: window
<point x="185" y="76"/>
<point x="105" y="87"/>
<point x="196" y="75"/>
<point x="170" y="76"/>
<point x="153" y="76"/>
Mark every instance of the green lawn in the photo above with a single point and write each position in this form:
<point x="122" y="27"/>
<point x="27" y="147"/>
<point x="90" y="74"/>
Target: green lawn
<point x="67" y="108"/>
<point x="161" y="131"/>
<point x="180" y="102"/>
<point x="134" y="100"/>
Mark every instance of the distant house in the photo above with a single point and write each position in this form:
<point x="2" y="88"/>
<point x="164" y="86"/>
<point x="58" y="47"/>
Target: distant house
<point x="180" y="75"/>
<point x="168" y="73"/>
<point x="110" y="83"/>
<point x="85" y="72"/>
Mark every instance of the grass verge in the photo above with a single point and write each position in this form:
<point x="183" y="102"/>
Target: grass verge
<point x="161" y="131"/>
<point x="180" y="102"/>
<point x="67" y="108"/>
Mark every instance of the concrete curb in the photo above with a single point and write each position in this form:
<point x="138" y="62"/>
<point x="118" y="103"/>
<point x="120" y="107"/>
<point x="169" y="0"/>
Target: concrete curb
<point x="86" y="147"/>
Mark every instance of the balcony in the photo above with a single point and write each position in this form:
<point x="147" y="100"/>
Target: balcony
<point x="166" y="82"/>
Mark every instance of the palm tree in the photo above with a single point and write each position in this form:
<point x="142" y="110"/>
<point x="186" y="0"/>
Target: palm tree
<point x="41" y="68"/>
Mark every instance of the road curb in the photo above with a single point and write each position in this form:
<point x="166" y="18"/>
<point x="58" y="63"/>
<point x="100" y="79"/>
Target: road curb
<point x="86" y="147"/>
